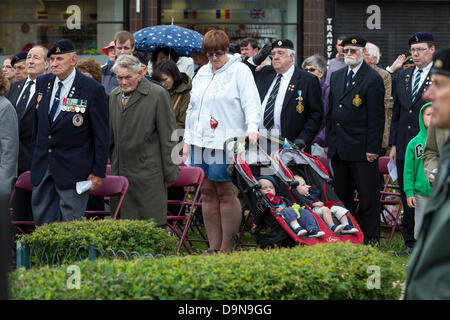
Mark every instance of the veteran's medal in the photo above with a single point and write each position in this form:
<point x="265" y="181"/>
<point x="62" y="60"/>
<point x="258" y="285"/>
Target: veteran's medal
<point x="300" y="106"/>
<point x="77" y="120"/>
<point x="357" y="101"/>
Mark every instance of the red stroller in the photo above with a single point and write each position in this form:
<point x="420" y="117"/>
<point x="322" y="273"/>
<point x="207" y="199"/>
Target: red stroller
<point x="273" y="230"/>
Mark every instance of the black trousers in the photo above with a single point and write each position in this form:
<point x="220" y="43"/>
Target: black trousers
<point x="408" y="213"/>
<point x="364" y="177"/>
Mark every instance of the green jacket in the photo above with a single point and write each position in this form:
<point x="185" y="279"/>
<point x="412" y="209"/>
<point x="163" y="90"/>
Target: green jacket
<point x="414" y="178"/>
<point x="428" y="275"/>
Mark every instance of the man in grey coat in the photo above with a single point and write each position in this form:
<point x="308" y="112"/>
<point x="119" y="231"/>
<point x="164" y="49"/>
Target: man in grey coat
<point x="141" y="124"/>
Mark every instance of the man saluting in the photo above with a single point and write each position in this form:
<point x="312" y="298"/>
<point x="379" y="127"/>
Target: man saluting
<point x="70" y="135"/>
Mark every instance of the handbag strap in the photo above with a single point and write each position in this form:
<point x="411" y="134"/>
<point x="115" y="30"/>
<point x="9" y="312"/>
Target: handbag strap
<point x="176" y="102"/>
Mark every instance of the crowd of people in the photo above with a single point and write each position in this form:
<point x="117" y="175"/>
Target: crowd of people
<point x="64" y="119"/>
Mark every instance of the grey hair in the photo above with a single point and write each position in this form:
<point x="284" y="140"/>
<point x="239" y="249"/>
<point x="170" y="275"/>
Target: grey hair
<point x="373" y="51"/>
<point x="44" y="49"/>
<point x="316" y="60"/>
<point x="127" y="61"/>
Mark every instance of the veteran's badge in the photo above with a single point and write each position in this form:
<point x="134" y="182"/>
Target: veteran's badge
<point x="300" y="106"/>
<point x="77" y="120"/>
<point x="357" y="101"/>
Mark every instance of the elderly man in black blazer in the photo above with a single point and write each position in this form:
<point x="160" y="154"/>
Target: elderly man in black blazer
<point x="291" y="98"/>
<point x="22" y="95"/>
<point x="354" y="133"/>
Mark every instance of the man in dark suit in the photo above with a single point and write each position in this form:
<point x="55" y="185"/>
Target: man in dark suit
<point x="22" y="95"/>
<point x="354" y="133"/>
<point x="408" y="87"/>
<point x="291" y="98"/>
<point x="70" y="137"/>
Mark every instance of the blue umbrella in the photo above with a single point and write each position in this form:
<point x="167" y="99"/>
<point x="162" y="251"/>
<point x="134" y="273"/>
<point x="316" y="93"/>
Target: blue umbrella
<point x="182" y="40"/>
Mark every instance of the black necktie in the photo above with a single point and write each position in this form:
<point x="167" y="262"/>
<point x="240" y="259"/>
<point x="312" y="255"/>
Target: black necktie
<point x="21" y="105"/>
<point x="349" y="78"/>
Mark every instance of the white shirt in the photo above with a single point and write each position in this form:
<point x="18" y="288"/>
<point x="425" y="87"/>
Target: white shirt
<point x="423" y="75"/>
<point x="67" y="85"/>
<point x="32" y="91"/>
<point x="284" y="82"/>
<point x="355" y="69"/>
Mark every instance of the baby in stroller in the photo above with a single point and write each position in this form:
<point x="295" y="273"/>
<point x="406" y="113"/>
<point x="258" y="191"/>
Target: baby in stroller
<point x="300" y="220"/>
<point x="310" y="195"/>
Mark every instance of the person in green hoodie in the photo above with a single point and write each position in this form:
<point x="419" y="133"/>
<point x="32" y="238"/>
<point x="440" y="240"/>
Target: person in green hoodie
<point x="416" y="186"/>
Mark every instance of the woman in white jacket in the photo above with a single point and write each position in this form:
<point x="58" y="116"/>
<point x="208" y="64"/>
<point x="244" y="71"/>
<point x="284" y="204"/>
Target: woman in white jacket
<point x="224" y="103"/>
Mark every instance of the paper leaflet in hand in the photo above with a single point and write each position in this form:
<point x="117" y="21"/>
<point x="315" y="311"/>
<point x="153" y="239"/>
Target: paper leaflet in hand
<point x="392" y="170"/>
<point x="83" y="186"/>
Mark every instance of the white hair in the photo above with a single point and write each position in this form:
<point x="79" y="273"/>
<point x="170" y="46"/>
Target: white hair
<point x="127" y="61"/>
<point x="373" y="51"/>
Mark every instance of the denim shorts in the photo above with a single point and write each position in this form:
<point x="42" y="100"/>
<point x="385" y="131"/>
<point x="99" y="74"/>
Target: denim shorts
<point x="212" y="161"/>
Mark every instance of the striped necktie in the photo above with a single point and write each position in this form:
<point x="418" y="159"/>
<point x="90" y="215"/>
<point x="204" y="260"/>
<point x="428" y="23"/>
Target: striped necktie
<point x="416" y="85"/>
<point x="270" y="106"/>
<point x="55" y="103"/>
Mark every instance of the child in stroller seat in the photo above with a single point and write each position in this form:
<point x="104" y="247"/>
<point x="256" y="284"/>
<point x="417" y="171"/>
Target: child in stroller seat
<point x="300" y="220"/>
<point x="310" y="195"/>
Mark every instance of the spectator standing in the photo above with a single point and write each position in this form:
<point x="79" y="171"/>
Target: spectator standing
<point x="317" y="65"/>
<point x="409" y="86"/>
<point x="179" y="86"/>
<point x="70" y="137"/>
<point x="427" y="276"/>
<point x="18" y="62"/>
<point x="337" y="62"/>
<point x="22" y="96"/>
<point x="123" y="44"/>
<point x="291" y="98"/>
<point x="224" y="103"/>
<point x="372" y="58"/>
<point x="110" y="52"/>
<point x="141" y="125"/>
<point x="8" y="70"/>
<point x="9" y="142"/>
<point x="354" y="134"/>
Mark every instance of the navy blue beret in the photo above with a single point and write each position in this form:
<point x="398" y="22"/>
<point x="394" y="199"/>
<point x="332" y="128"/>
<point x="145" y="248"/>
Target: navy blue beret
<point x="61" y="46"/>
<point x="354" y="40"/>
<point x="420" y="37"/>
<point x="18" y="57"/>
<point x="283" y="43"/>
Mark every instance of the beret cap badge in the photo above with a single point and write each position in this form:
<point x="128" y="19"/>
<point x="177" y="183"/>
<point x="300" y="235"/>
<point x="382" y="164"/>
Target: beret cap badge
<point x="280" y="43"/>
<point x="58" y="50"/>
<point x="438" y="63"/>
<point x="354" y="41"/>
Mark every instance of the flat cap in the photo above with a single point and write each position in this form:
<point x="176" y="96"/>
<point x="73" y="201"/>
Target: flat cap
<point x="61" y="46"/>
<point x="283" y="43"/>
<point x="354" y="40"/>
<point x="18" y="57"/>
<point x="420" y="37"/>
<point x="441" y="63"/>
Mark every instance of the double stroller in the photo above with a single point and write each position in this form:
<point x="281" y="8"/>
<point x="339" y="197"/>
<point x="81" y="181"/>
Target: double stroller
<point x="251" y="162"/>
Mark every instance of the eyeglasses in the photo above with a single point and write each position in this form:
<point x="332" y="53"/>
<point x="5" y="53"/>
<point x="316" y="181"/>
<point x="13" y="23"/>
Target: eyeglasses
<point x="310" y="69"/>
<point x="349" y="50"/>
<point x="217" y="54"/>
<point x="418" y="50"/>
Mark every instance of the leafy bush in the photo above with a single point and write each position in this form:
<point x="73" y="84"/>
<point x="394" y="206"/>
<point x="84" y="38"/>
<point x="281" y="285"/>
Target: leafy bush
<point x="323" y="271"/>
<point x="68" y="238"/>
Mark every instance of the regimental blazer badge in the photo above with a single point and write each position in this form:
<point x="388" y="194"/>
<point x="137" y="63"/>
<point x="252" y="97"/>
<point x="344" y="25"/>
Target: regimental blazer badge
<point x="357" y="101"/>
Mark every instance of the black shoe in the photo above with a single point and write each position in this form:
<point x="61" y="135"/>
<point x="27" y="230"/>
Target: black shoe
<point x="405" y="252"/>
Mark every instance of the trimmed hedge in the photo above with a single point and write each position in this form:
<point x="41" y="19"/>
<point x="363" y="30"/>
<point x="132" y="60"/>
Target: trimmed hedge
<point x="142" y="236"/>
<point x="323" y="271"/>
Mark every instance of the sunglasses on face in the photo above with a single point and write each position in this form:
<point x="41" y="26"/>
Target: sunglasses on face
<point x="350" y="50"/>
<point x="310" y="69"/>
<point x="217" y="54"/>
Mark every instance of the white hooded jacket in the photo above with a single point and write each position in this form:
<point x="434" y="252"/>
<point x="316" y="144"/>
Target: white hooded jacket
<point x="229" y="97"/>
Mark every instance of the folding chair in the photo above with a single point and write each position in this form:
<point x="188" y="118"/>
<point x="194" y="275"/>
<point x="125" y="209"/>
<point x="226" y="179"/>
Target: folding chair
<point x="191" y="178"/>
<point x="111" y="186"/>
<point x="389" y="198"/>
<point x="23" y="182"/>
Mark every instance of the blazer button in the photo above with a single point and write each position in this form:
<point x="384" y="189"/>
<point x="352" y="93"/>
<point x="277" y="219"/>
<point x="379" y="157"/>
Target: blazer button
<point x="410" y="111"/>
<point x="49" y="137"/>
<point x="49" y="150"/>
<point x="340" y="106"/>
<point x="338" y="124"/>
<point x="409" y="127"/>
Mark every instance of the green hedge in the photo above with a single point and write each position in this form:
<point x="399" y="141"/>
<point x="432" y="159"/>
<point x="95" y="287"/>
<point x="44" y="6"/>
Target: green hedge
<point x="142" y="236"/>
<point x="323" y="271"/>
